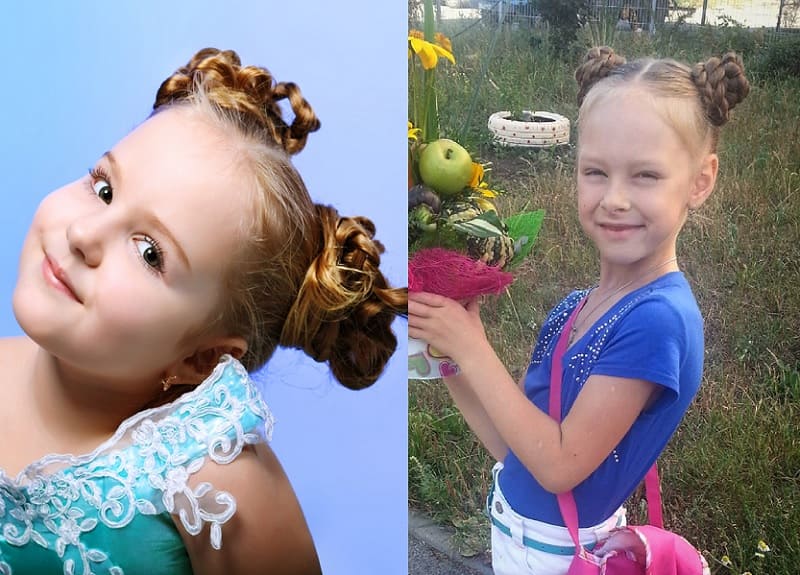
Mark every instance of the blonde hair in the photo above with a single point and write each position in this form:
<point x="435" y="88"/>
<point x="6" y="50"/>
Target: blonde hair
<point x="696" y="101"/>
<point x="305" y="277"/>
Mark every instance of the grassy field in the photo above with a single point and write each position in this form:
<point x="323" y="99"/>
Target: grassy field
<point x="731" y="475"/>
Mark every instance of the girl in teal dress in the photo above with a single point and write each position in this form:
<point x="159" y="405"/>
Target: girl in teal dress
<point x="147" y="290"/>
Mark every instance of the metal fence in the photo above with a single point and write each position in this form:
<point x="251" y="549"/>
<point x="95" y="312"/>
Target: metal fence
<point x="646" y="15"/>
<point x="775" y="14"/>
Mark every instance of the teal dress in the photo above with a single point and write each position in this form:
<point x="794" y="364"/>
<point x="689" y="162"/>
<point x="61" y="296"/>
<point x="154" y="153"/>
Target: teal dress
<point x="112" y="511"/>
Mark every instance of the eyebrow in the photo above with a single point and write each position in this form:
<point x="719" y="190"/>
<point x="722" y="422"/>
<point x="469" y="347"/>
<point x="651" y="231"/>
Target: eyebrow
<point x="638" y="164"/>
<point x="152" y="218"/>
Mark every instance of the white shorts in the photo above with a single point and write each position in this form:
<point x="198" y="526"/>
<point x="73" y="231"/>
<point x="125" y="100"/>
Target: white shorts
<point x="523" y="546"/>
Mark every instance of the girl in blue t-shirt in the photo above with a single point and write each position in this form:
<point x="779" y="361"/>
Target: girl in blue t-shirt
<point x="648" y="133"/>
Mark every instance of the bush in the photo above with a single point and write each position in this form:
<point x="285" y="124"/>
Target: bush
<point x="564" y="18"/>
<point x="781" y="58"/>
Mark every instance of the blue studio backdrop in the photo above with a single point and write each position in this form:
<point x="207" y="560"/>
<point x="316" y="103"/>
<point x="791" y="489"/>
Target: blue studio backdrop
<point x="77" y="76"/>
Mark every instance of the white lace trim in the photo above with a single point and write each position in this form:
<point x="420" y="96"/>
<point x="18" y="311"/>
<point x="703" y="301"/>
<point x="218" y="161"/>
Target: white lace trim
<point x="151" y="458"/>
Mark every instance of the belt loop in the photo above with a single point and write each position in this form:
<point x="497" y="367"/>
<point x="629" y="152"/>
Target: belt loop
<point x="496" y="471"/>
<point x="509" y="518"/>
<point x="517" y="526"/>
<point x="490" y="496"/>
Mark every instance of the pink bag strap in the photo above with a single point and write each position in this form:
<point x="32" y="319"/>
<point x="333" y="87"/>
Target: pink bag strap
<point x="566" y="501"/>
<point x="652" y="490"/>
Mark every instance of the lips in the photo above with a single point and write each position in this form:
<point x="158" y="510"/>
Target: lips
<point x="618" y="228"/>
<point x="57" y="277"/>
<point x="615" y="227"/>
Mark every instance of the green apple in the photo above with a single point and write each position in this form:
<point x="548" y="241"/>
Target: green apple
<point x="445" y="166"/>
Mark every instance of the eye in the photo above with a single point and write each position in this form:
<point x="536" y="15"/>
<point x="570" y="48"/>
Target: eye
<point x="648" y="175"/>
<point x="100" y="186"/>
<point x="150" y="252"/>
<point x="593" y="172"/>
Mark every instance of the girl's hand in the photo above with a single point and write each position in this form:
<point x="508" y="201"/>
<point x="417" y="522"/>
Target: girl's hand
<point x="453" y="328"/>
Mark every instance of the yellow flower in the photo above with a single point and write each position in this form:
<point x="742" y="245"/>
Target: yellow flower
<point x="762" y="546"/>
<point x="428" y="52"/>
<point x="443" y="41"/>
<point x="477" y="183"/>
<point x="416" y="34"/>
<point x="726" y="561"/>
<point x="477" y="175"/>
<point x="485" y="205"/>
<point x="413" y="133"/>
<point x="485" y="191"/>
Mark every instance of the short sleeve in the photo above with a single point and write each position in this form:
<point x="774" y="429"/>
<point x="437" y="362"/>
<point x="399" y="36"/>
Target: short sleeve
<point x="649" y="345"/>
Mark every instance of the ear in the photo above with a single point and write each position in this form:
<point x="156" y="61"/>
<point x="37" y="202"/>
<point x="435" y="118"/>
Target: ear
<point x="704" y="181"/>
<point x="195" y="368"/>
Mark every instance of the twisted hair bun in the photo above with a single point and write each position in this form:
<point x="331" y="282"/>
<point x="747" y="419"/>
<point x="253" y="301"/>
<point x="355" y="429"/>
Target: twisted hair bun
<point x="249" y="91"/>
<point x="598" y="63"/>
<point x="722" y="85"/>
<point x="343" y="311"/>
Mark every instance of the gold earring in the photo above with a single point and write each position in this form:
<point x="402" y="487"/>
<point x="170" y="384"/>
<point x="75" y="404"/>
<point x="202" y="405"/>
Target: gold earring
<point x="166" y="382"/>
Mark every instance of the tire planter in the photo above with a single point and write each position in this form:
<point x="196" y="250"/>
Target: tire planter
<point x="535" y="130"/>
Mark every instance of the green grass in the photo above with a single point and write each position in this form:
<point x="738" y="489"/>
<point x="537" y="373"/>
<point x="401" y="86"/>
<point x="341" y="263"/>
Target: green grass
<point x="731" y="475"/>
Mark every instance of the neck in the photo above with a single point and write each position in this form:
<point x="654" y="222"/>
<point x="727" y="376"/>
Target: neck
<point x="616" y="277"/>
<point x="76" y="405"/>
<point x="615" y="288"/>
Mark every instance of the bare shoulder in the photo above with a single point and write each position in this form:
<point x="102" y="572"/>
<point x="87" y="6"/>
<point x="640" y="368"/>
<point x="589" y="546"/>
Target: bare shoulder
<point x="14" y="347"/>
<point x="268" y="532"/>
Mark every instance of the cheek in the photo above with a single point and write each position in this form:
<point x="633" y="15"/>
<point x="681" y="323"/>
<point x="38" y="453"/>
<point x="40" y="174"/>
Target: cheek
<point x="43" y="219"/>
<point x="135" y="308"/>
<point x="63" y="204"/>
<point x="55" y="212"/>
<point x="673" y="202"/>
<point x="585" y="204"/>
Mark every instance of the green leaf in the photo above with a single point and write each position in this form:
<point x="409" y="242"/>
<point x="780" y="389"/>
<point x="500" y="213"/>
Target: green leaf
<point x="492" y="217"/>
<point x="481" y="227"/>
<point x="430" y="108"/>
<point x="429" y="21"/>
<point x="523" y="229"/>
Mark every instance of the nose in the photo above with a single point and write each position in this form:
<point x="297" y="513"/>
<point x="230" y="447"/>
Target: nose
<point x="86" y="236"/>
<point x="615" y="197"/>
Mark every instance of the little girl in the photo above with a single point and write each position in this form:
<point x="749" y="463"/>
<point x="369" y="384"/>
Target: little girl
<point x="648" y="133"/>
<point x="147" y="290"/>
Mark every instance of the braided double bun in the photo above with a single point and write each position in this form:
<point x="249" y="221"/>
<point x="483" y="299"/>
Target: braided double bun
<point x="696" y="101"/>
<point x="344" y="309"/>
<point x="247" y="90"/>
<point x="722" y="85"/>
<point x="598" y="63"/>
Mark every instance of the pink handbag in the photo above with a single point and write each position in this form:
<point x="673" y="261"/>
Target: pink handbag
<point x="631" y="550"/>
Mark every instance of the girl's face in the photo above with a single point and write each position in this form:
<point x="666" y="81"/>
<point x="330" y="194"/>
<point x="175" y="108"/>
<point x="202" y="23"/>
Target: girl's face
<point x="636" y="181"/>
<point x="120" y="266"/>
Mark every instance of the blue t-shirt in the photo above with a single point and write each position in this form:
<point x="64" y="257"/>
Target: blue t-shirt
<point x="654" y="333"/>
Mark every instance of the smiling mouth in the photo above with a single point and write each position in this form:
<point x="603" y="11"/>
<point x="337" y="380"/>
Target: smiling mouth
<point x="619" y="227"/>
<point x="57" y="278"/>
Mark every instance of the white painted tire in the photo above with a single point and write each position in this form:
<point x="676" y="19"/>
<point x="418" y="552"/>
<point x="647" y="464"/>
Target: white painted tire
<point x="553" y="131"/>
